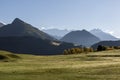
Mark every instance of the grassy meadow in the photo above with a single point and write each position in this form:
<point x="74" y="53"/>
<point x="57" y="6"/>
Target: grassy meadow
<point x="93" y="66"/>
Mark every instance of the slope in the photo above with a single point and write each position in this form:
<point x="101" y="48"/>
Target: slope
<point x="19" y="28"/>
<point x="103" y="35"/>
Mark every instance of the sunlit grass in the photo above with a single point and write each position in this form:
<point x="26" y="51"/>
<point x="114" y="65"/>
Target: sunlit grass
<point x="62" y="67"/>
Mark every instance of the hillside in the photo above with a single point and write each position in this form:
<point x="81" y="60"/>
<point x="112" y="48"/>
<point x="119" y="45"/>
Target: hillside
<point x="31" y="45"/>
<point x="103" y="35"/>
<point x="82" y="37"/>
<point x="8" y="56"/>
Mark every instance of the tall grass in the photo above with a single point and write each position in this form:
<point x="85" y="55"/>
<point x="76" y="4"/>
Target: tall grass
<point x="62" y="67"/>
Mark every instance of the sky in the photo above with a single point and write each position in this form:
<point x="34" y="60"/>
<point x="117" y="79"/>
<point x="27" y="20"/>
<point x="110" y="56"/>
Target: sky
<point x="64" y="14"/>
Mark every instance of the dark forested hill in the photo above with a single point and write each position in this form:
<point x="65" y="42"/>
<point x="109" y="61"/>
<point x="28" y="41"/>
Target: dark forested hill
<point x="32" y="45"/>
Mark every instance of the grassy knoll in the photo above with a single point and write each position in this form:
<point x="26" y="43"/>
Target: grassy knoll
<point x="8" y="57"/>
<point x="62" y="67"/>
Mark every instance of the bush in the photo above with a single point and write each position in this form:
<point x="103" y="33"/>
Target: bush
<point x="101" y="48"/>
<point x="116" y="47"/>
<point x="77" y="50"/>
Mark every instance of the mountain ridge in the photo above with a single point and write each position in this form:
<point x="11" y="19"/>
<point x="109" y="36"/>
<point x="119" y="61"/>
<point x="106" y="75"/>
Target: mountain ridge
<point x="81" y="37"/>
<point x="103" y="35"/>
<point x="21" y="28"/>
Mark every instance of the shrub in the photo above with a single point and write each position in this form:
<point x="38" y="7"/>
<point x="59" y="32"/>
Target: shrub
<point x="77" y="50"/>
<point x="101" y="48"/>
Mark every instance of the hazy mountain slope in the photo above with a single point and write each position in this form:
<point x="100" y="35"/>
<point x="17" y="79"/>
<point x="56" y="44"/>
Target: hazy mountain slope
<point x="103" y="35"/>
<point x="57" y="33"/>
<point x="81" y="37"/>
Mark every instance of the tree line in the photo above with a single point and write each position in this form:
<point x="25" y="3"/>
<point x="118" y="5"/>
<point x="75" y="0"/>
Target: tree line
<point x="77" y="50"/>
<point x="87" y="50"/>
<point x="104" y="48"/>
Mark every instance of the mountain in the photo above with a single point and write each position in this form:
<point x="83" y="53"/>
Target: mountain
<point x="57" y="37"/>
<point x="103" y="35"/>
<point x="106" y="43"/>
<point x="19" y="28"/>
<point x="57" y="33"/>
<point x="1" y="24"/>
<point x="21" y="37"/>
<point x="83" y="37"/>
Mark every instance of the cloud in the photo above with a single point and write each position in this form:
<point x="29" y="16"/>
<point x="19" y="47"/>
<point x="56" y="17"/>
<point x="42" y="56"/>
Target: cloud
<point x="110" y="32"/>
<point x="42" y="28"/>
<point x="2" y="22"/>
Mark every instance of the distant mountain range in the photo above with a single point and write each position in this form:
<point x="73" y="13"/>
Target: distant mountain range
<point x="1" y="24"/>
<point x="56" y="33"/>
<point x="82" y="37"/>
<point x="103" y="35"/>
<point x="21" y="37"/>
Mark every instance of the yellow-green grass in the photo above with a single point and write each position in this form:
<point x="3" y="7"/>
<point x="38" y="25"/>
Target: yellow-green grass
<point x="7" y="56"/>
<point x="62" y="67"/>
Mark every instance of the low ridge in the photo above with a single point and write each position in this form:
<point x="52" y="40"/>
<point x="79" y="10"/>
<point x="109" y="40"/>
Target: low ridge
<point x="106" y="43"/>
